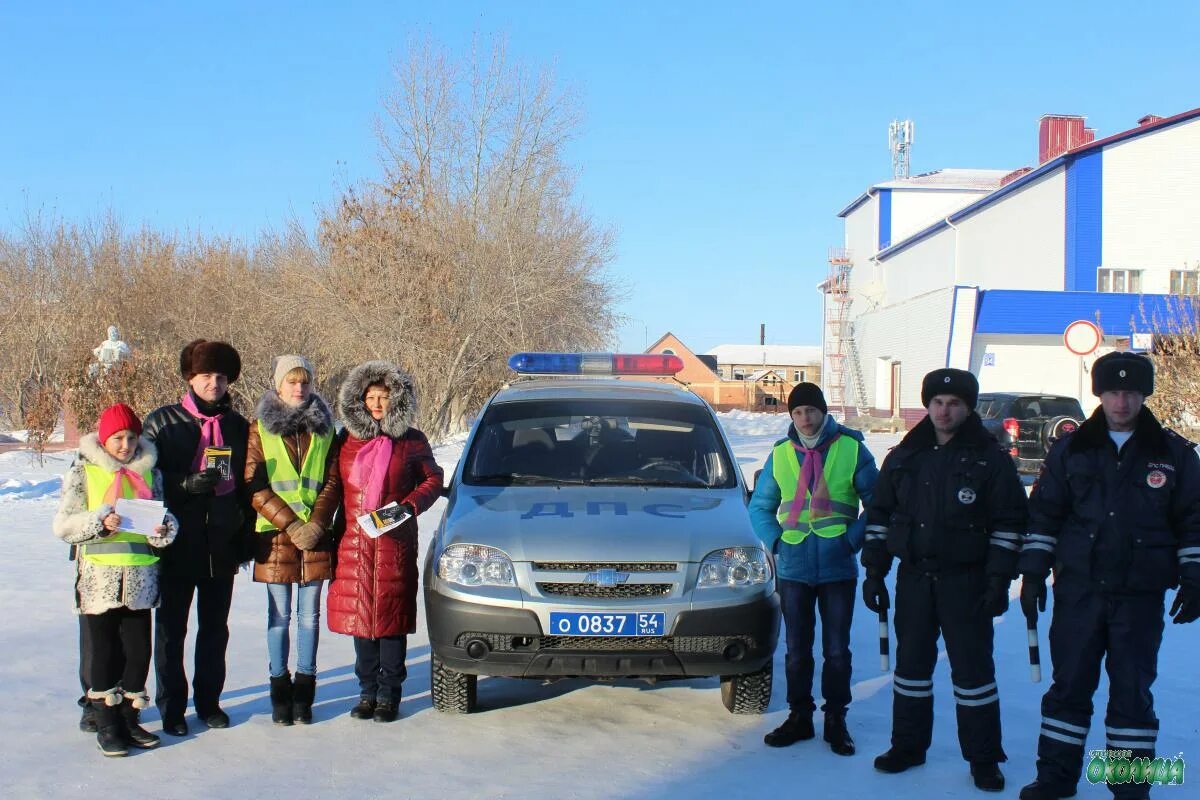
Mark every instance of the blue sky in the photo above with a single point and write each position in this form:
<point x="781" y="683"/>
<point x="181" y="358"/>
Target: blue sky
<point x="718" y="144"/>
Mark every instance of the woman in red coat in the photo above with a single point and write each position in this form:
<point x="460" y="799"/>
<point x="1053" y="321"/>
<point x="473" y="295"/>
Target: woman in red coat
<point x="373" y="597"/>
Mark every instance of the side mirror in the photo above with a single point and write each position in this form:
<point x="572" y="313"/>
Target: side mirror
<point x="445" y="492"/>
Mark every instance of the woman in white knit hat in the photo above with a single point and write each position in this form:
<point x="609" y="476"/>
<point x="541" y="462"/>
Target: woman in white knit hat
<point x="291" y="473"/>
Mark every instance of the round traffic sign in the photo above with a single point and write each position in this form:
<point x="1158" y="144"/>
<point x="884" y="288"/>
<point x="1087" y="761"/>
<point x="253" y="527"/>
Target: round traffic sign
<point x="1082" y="337"/>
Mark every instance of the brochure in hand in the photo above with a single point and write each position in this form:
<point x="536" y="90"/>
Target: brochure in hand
<point x="383" y="519"/>
<point x="220" y="459"/>
<point x="140" y="516"/>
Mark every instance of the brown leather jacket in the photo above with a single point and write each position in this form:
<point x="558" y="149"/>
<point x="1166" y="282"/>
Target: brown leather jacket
<point x="276" y="559"/>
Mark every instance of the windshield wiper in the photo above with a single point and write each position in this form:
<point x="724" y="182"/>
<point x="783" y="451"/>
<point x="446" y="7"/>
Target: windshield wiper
<point x="522" y="478"/>
<point x="638" y="480"/>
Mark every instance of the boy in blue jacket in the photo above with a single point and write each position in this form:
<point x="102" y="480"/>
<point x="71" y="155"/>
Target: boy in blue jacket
<point x="806" y="509"/>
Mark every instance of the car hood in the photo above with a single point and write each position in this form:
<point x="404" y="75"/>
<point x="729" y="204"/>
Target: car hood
<point x="599" y="523"/>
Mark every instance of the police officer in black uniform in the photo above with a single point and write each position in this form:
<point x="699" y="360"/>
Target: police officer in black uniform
<point x="950" y="506"/>
<point x="1116" y="513"/>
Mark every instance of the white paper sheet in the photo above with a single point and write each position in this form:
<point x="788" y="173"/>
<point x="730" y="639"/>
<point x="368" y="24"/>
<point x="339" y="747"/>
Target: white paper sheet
<point x="389" y="512"/>
<point x="140" y="516"/>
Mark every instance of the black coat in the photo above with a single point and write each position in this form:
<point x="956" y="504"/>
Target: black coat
<point x="1123" y="523"/>
<point x="946" y="507"/>
<point x="214" y="531"/>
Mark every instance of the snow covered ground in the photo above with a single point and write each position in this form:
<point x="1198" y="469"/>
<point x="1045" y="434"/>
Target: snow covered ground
<point x="569" y="739"/>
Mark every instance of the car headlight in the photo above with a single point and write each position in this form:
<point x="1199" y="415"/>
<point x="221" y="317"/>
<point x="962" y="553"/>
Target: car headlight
<point x="734" y="566"/>
<point x="476" y="565"/>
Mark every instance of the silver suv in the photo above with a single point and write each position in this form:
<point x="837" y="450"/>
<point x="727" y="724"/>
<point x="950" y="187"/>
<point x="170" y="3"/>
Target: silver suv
<point x="597" y="528"/>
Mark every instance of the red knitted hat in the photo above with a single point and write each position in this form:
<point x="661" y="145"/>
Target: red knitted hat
<point x="115" y="419"/>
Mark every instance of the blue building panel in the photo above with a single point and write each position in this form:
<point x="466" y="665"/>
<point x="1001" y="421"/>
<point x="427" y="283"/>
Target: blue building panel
<point x="1084" y="221"/>
<point x="885" y="218"/>
<point x="1014" y="311"/>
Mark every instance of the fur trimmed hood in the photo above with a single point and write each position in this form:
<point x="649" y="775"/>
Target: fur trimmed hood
<point x="311" y="416"/>
<point x="92" y="452"/>
<point x="1093" y="433"/>
<point x="402" y="404"/>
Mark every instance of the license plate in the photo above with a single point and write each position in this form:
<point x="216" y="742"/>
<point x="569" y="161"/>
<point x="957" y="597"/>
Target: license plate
<point x="580" y="623"/>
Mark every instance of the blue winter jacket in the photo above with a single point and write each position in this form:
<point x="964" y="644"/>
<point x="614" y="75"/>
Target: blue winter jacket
<point x="815" y="560"/>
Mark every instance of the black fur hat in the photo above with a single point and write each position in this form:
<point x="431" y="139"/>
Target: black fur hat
<point x="201" y="356"/>
<point x="1118" y="371"/>
<point x="957" y="382"/>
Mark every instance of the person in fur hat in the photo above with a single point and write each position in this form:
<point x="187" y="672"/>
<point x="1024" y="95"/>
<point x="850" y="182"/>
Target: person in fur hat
<point x="215" y="525"/>
<point x="373" y="597"/>
<point x="117" y="580"/>
<point x="291" y="472"/>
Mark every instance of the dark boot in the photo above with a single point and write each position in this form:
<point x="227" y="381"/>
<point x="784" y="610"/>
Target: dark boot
<point x="386" y="711"/>
<point x="304" y="690"/>
<point x="796" y="728"/>
<point x="281" y="699"/>
<point x="215" y="718"/>
<point x="130" y="709"/>
<point x="365" y="708"/>
<point x="87" y="722"/>
<point x="1044" y="791"/>
<point x="837" y="735"/>
<point x="110" y="732"/>
<point x="894" y="760"/>
<point x="987" y="776"/>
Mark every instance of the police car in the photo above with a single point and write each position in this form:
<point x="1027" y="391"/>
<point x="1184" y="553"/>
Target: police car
<point x="597" y="528"/>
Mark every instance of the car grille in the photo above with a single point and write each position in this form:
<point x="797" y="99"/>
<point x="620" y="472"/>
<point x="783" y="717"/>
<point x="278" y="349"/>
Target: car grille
<point x="620" y="591"/>
<point x="592" y="566"/>
<point x="505" y="643"/>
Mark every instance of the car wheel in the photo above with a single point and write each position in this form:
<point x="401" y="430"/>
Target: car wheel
<point x="749" y="693"/>
<point x="453" y="692"/>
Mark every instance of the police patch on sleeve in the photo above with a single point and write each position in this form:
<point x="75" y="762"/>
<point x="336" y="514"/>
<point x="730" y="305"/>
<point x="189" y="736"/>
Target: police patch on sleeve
<point x="966" y="495"/>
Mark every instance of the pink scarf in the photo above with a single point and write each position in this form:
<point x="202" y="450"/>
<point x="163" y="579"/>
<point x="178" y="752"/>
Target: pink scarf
<point x="140" y="489"/>
<point x="812" y="475"/>
<point x="370" y="468"/>
<point x="210" y="436"/>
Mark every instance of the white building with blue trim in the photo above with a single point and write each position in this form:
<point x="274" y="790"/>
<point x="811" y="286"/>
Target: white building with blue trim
<point x="984" y="269"/>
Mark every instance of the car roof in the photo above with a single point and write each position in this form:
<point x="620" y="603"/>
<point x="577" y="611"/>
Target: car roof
<point x="1017" y="395"/>
<point x="567" y="388"/>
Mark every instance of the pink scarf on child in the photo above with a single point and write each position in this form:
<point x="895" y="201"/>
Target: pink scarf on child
<point x="210" y="436"/>
<point x="140" y="490"/>
<point x="370" y="468"/>
<point x="812" y="475"/>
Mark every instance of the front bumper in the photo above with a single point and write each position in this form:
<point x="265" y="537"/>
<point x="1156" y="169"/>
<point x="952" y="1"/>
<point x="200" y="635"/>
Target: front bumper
<point x="502" y="641"/>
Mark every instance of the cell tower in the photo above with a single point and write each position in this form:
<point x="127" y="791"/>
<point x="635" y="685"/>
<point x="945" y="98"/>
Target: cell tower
<point x="900" y="142"/>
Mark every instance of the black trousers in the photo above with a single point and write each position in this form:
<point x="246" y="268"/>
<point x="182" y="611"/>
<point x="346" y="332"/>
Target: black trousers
<point x="379" y="665"/>
<point x="949" y="603"/>
<point x="118" y="649"/>
<point x="1088" y="627"/>
<point x="801" y="602"/>
<point x="213" y="598"/>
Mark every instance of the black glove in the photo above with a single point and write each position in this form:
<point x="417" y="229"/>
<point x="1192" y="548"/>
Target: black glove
<point x="1186" y="607"/>
<point x="202" y="482"/>
<point x="995" y="597"/>
<point x="875" y="594"/>
<point x="1033" y="597"/>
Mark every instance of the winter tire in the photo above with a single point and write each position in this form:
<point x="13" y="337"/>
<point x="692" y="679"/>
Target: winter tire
<point x="454" y="692"/>
<point x="1056" y="428"/>
<point x="749" y="693"/>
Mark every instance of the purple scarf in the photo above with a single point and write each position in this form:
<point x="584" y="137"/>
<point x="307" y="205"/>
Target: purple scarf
<point x="370" y="468"/>
<point x="210" y="436"/>
<point x="812" y="476"/>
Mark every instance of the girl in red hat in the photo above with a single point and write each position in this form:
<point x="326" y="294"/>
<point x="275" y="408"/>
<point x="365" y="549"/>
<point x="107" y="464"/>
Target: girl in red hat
<point x="117" y="580"/>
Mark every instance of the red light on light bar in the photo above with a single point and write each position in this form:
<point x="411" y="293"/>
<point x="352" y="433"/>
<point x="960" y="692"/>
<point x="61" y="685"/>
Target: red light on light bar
<point x="646" y="364"/>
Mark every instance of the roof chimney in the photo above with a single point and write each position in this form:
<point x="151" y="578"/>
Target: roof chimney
<point x="1149" y="119"/>
<point x="1058" y="133"/>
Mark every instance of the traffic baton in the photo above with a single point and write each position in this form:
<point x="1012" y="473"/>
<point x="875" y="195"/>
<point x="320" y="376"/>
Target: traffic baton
<point x="884" y="647"/>
<point x="1035" y="658"/>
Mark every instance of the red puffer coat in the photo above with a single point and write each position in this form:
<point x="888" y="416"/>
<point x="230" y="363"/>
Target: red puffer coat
<point x="374" y="589"/>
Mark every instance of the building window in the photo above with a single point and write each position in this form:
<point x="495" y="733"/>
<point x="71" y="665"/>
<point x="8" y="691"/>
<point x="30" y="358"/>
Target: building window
<point x="770" y="401"/>
<point x="798" y="376"/>
<point x="1119" y="280"/>
<point x="739" y="374"/>
<point x="1183" y="281"/>
<point x="668" y="351"/>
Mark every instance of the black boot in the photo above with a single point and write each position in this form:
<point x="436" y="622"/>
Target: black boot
<point x="87" y="722"/>
<point x="365" y="708"/>
<point x="386" y="711"/>
<point x="110" y="733"/>
<point x="130" y="709"/>
<point x="894" y="760"/>
<point x="303" y="692"/>
<point x="837" y="735"/>
<point x="1044" y="791"/>
<point x="987" y="776"/>
<point x="796" y="728"/>
<point x="281" y="699"/>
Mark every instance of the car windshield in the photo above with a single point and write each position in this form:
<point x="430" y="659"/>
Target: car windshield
<point x="592" y="442"/>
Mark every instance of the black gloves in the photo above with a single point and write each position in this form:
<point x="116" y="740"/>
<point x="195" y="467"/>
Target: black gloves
<point x="875" y="594"/>
<point x="202" y="482"/>
<point x="1033" y="597"/>
<point x="1186" y="607"/>
<point x="995" y="597"/>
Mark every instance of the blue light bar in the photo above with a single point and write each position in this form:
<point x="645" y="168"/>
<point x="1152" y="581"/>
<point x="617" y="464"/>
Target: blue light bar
<point x="546" y="363"/>
<point x="595" y="364"/>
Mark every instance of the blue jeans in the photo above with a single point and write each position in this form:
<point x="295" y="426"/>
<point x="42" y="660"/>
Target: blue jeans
<point x="835" y="601"/>
<point x="308" y="624"/>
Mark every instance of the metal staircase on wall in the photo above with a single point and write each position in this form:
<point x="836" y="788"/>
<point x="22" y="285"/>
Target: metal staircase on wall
<point x="861" y="407"/>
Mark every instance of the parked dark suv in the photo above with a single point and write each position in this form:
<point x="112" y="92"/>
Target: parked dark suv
<point x="1027" y="424"/>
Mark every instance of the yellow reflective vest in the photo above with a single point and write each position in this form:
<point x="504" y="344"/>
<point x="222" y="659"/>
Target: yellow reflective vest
<point x="121" y="549"/>
<point x="841" y="460"/>
<point x="298" y="490"/>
